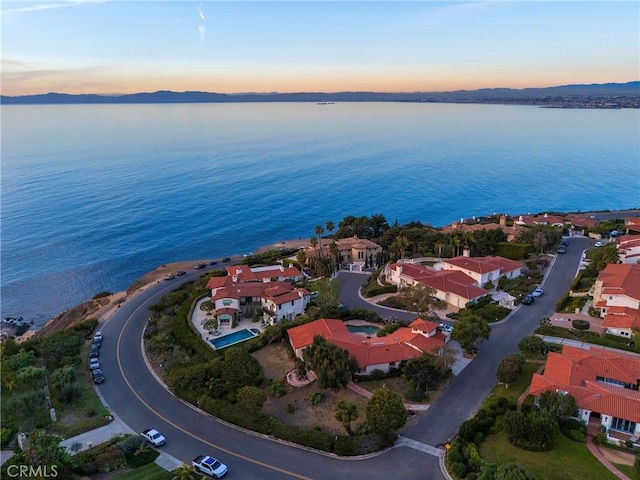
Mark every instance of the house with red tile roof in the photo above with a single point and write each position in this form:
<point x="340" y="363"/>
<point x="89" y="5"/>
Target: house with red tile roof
<point x="604" y="383"/>
<point x="622" y="321"/>
<point x="632" y="225"/>
<point x="250" y="292"/>
<point x="355" y="253"/>
<point x="467" y="226"/>
<point x="616" y="292"/>
<point x="629" y="249"/>
<point x="584" y="221"/>
<point x="451" y="286"/>
<point x="484" y="270"/>
<point x="372" y="353"/>
<point x="544" y="219"/>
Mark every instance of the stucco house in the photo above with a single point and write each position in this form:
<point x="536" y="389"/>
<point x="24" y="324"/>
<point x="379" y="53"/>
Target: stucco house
<point x="604" y="383"/>
<point x="372" y="353"/>
<point x="629" y="249"/>
<point x="355" y="253"/>
<point x="451" y="286"/>
<point x="484" y="270"/>
<point x="245" y="292"/>
<point x="616" y="292"/>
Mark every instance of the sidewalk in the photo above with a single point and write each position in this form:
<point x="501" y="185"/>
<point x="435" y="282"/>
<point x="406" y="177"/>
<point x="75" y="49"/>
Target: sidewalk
<point x="98" y="436"/>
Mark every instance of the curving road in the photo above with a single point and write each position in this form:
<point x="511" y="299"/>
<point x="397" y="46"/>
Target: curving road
<point x="140" y="401"/>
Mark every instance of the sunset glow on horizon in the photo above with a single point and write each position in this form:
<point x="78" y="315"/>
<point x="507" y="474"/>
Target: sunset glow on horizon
<point x="115" y="47"/>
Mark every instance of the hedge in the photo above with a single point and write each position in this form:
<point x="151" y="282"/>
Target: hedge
<point x="513" y="250"/>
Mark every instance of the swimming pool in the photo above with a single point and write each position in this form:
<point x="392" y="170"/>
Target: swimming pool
<point x="235" y="337"/>
<point x="368" y="329"/>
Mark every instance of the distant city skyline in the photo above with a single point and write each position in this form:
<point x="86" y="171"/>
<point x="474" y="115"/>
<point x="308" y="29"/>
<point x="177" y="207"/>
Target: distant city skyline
<point x="118" y="47"/>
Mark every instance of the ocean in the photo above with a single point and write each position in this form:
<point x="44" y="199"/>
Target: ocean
<point x="94" y="196"/>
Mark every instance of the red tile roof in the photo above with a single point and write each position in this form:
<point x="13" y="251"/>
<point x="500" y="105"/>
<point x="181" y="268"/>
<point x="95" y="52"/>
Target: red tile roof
<point x="621" y="279"/>
<point x="575" y="371"/>
<point x="401" y="345"/>
<point x="217" y="282"/>
<point x="484" y="264"/>
<point x="622" y="317"/>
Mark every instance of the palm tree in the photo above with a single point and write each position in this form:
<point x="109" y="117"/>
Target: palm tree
<point x="330" y="227"/>
<point x="319" y="232"/>
<point x="400" y="244"/>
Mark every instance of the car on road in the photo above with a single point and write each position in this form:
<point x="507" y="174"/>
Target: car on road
<point x="562" y="249"/>
<point x="169" y="276"/>
<point x="97" y="375"/>
<point x="97" y="338"/>
<point x="537" y="292"/>
<point x="528" y="299"/>
<point x="564" y="242"/>
<point x="94" y="352"/>
<point x="226" y="259"/>
<point x="200" y="266"/>
<point x="94" y="364"/>
<point x="154" y="437"/>
<point x="180" y="273"/>
<point x="247" y="255"/>
<point x="213" y="262"/>
<point x="210" y="466"/>
<point x="445" y="327"/>
<point x="598" y="244"/>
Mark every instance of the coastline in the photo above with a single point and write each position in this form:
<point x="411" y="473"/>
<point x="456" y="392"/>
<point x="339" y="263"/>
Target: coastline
<point x="103" y="308"/>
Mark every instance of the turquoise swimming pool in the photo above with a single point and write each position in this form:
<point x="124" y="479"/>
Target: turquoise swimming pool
<point x="235" y="337"/>
<point x="368" y="329"/>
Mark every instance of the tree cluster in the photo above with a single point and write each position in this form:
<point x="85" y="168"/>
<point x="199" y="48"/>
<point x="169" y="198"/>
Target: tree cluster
<point x="333" y="365"/>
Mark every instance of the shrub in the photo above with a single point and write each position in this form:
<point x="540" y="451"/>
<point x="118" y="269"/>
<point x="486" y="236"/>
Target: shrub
<point x="636" y="464"/>
<point x="100" y="295"/>
<point x="130" y="444"/>
<point x="314" y="398"/>
<point x="111" y="459"/>
<point x="573" y="429"/>
<point x="580" y="324"/>
<point x="276" y="388"/>
<point x="6" y="434"/>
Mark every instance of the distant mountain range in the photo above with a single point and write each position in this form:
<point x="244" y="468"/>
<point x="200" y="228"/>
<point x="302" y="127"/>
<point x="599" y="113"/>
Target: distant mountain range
<point x="607" y="95"/>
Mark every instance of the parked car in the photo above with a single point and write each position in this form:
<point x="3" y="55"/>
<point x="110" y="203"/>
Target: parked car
<point x="213" y="262"/>
<point x="210" y="466"/>
<point x="169" y="276"/>
<point x="154" y="437"/>
<point x="180" y="273"/>
<point x="562" y="249"/>
<point x="98" y="376"/>
<point x="537" y="292"/>
<point x="446" y="327"/>
<point x="598" y="244"/>
<point x="98" y="337"/>
<point x="565" y="242"/>
<point x="94" y="352"/>
<point x="528" y="299"/>
<point x="200" y="266"/>
<point x="226" y="259"/>
<point x="94" y="364"/>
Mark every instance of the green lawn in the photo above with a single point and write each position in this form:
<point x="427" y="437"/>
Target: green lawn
<point x="519" y="386"/>
<point x="568" y="460"/>
<point x="150" y="471"/>
<point x="628" y="471"/>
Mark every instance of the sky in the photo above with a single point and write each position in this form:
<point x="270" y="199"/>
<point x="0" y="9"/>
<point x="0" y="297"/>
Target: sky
<point x="117" y="47"/>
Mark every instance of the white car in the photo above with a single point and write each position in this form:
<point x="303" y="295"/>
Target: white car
<point x="598" y="244"/>
<point x="94" y="364"/>
<point x="446" y="327"/>
<point x="154" y="437"/>
<point x="537" y="292"/>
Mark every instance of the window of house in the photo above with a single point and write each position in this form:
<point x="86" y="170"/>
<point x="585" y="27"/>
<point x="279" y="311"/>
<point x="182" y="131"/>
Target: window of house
<point x="279" y="307"/>
<point x="292" y="302"/>
<point x="623" y="425"/>
<point x="360" y="255"/>
<point x="226" y="302"/>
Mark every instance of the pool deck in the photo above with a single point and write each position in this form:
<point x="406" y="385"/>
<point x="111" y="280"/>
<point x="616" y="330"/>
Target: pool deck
<point x="199" y="317"/>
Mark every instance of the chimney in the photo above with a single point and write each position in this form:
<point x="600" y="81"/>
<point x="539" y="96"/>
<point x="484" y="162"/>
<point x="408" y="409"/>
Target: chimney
<point x="282" y="268"/>
<point x="466" y="252"/>
<point x="503" y="220"/>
